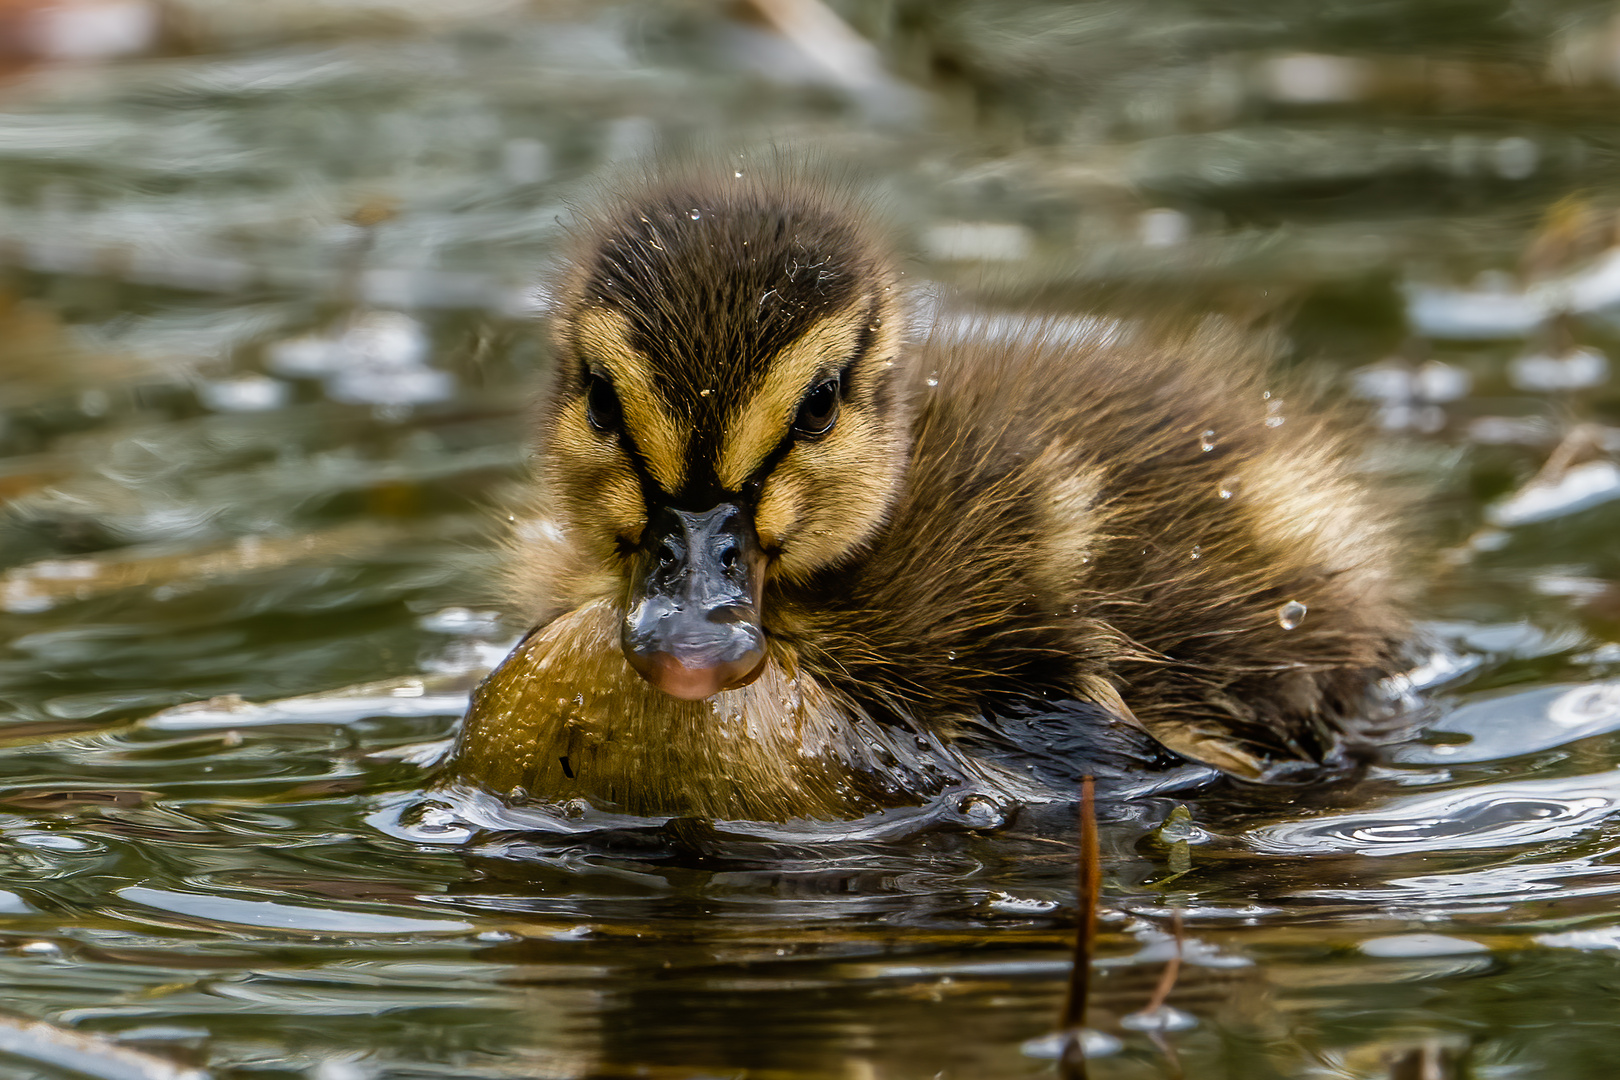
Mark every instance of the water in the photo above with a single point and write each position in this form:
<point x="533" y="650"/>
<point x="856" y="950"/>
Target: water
<point x="268" y="295"/>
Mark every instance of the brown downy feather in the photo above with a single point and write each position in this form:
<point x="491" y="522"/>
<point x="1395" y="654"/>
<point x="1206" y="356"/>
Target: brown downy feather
<point x="1145" y="519"/>
<point x="1064" y="528"/>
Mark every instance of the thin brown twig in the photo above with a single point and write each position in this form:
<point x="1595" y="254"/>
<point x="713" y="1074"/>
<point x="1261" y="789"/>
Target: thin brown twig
<point x="1172" y="1060"/>
<point x="1172" y="967"/>
<point x="1089" y="879"/>
<point x="1161" y="995"/>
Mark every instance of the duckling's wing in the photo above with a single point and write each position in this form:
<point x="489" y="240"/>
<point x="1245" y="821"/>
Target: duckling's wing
<point x="1060" y="743"/>
<point x="1092" y="516"/>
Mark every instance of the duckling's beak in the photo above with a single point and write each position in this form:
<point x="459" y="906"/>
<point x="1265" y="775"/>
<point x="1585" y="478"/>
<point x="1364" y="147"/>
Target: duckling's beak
<point x="692" y="624"/>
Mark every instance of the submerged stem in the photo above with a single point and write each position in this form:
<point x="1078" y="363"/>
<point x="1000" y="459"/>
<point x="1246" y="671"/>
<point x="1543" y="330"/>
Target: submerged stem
<point x="1089" y="880"/>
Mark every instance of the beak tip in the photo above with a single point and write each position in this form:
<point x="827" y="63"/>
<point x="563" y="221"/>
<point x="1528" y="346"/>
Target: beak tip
<point x="669" y="674"/>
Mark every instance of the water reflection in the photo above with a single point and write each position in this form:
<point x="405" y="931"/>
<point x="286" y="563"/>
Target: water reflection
<point x="1487" y="815"/>
<point x="1511" y="725"/>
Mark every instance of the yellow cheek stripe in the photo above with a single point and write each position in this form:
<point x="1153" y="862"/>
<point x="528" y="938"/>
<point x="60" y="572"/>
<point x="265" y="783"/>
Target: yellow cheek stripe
<point x="603" y="339"/>
<point x="619" y="501"/>
<point x="576" y="440"/>
<point x="778" y="510"/>
<point x="758" y="425"/>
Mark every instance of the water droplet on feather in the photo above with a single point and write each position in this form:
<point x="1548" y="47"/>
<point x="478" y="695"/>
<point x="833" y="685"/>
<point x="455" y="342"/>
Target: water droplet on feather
<point x="1291" y="614"/>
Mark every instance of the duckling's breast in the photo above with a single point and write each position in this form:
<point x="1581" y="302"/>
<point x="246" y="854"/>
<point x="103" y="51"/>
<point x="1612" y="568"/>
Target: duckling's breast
<point x="565" y="718"/>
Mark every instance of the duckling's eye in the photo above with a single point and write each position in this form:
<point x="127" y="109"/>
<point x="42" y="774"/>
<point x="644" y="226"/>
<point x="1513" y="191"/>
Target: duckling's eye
<point x="819" y="410"/>
<point x="601" y="403"/>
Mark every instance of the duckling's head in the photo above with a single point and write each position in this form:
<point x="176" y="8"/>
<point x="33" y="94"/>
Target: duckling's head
<point x="727" y="412"/>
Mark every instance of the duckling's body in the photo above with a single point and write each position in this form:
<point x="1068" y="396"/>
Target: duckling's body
<point x="905" y="538"/>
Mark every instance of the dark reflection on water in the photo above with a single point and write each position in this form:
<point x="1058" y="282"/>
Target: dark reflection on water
<point x="268" y="294"/>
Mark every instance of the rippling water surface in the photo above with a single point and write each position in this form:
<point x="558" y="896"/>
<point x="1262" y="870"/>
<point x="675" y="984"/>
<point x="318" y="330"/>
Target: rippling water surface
<point x="270" y="291"/>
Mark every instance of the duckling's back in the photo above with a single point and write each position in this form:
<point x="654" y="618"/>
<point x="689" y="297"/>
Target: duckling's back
<point x="1149" y="520"/>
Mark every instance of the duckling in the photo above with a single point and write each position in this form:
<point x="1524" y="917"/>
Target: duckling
<point x="783" y="562"/>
